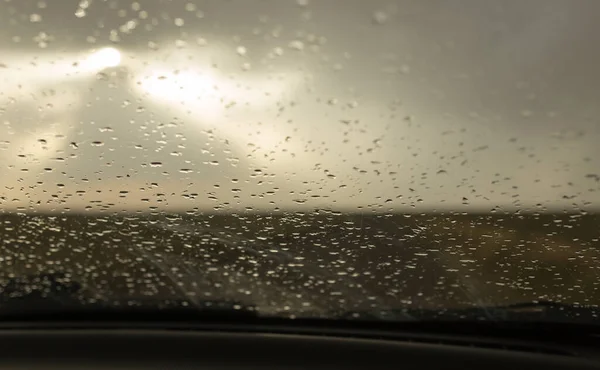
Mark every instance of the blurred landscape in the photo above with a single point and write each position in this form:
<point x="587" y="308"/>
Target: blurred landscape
<point x="341" y="261"/>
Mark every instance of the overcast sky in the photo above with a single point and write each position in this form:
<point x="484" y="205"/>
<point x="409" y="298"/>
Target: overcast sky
<point x="342" y="104"/>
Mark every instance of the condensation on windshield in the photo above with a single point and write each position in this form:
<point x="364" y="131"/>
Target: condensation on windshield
<point x="301" y="157"/>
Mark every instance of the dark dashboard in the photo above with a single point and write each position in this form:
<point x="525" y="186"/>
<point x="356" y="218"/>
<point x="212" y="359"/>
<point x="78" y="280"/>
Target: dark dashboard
<point x="163" y="347"/>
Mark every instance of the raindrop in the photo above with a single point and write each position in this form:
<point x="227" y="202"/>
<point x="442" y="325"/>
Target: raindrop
<point x="80" y="13"/>
<point x="380" y="17"/>
<point x="526" y="113"/>
<point x="296" y="45"/>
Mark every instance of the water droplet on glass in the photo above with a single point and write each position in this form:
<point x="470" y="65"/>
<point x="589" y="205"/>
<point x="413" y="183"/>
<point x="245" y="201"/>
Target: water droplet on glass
<point x="380" y="17"/>
<point x="80" y="13"/>
<point x="296" y="45"/>
<point x="526" y="113"/>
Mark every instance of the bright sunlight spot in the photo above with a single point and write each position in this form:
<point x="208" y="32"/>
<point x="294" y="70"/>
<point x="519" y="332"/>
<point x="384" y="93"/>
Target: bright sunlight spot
<point x="104" y="58"/>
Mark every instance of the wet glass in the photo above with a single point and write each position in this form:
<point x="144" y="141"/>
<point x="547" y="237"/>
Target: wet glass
<point x="302" y="157"/>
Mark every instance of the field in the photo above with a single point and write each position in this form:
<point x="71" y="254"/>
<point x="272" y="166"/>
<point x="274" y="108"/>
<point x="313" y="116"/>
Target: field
<point x="318" y="261"/>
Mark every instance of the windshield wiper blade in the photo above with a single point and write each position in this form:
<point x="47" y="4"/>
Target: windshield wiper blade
<point x="525" y="311"/>
<point x="54" y="296"/>
<point x="174" y="311"/>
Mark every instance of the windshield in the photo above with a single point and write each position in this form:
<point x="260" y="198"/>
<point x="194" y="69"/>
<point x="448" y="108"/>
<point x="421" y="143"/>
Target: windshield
<point x="303" y="158"/>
